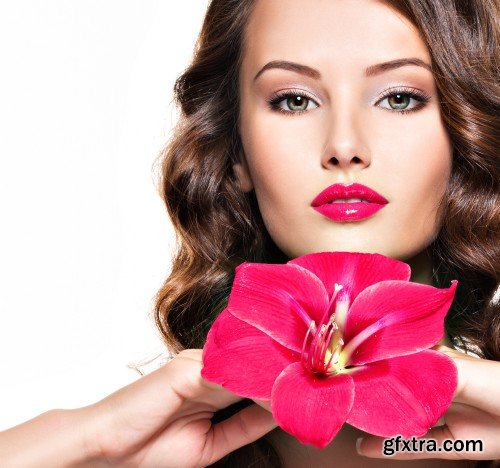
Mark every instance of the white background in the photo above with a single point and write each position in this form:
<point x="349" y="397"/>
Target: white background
<point x="85" y="241"/>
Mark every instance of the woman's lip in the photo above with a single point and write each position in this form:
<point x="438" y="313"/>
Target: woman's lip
<point x="348" y="211"/>
<point x="344" y="191"/>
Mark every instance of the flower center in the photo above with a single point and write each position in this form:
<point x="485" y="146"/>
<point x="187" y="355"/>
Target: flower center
<point x="322" y="347"/>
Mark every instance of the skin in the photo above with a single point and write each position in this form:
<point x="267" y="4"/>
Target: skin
<point x="343" y="136"/>
<point x="161" y="420"/>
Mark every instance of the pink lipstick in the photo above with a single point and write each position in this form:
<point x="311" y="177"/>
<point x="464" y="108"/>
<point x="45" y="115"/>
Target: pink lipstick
<point x="349" y="202"/>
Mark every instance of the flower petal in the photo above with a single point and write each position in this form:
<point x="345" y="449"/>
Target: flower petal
<point x="355" y="271"/>
<point x="279" y="300"/>
<point x="404" y="395"/>
<point x="243" y="359"/>
<point x="397" y="318"/>
<point x="311" y="408"/>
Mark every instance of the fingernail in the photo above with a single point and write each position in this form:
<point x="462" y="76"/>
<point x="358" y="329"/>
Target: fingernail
<point x="358" y="445"/>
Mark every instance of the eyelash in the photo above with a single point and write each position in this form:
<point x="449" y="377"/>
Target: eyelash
<point x="419" y="96"/>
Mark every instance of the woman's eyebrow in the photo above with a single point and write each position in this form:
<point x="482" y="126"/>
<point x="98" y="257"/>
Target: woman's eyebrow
<point x="370" y="71"/>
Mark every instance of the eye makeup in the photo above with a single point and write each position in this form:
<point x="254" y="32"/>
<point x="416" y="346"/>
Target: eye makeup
<point x="421" y="98"/>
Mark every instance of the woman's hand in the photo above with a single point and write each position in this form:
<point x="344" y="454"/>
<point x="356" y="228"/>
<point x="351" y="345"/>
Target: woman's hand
<point x="473" y="415"/>
<point x="163" y="419"/>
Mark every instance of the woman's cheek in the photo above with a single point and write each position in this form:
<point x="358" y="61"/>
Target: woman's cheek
<point x="420" y="223"/>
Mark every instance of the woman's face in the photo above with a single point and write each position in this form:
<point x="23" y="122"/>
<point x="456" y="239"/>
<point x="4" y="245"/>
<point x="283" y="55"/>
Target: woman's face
<point x="341" y="124"/>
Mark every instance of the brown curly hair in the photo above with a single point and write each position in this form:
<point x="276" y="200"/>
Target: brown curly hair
<point x="218" y="226"/>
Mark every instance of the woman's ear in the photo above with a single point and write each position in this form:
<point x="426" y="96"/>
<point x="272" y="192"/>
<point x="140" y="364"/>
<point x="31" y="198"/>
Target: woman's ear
<point x="242" y="174"/>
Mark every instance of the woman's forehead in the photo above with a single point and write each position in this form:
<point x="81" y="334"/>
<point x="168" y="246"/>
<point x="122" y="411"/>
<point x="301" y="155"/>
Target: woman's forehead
<point x="334" y="33"/>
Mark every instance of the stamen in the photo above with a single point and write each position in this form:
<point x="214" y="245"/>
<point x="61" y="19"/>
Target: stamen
<point x="322" y="349"/>
<point x="314" y="351"/>
<point x="336" y="344"/>
<point x="300" y="311"/>
<point x="333" y="329"/>
<point x="305" y="355"/>
<point x="330" y="361"/>
<point x="328" y="310"/>
<point x="315" y="347"/>
<point x="336" y="289"/>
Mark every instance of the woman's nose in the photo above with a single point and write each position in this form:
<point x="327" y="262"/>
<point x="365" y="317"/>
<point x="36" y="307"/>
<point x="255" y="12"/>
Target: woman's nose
<point x="346" y="147"/>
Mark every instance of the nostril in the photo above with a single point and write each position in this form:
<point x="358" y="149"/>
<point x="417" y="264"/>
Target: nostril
<point x="355" y="159"/>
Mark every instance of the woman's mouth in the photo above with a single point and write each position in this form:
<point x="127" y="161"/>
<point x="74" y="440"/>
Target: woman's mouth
<point x="348" y="202"/>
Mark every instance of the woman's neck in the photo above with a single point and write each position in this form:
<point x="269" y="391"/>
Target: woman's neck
<point x="421" y="268"/>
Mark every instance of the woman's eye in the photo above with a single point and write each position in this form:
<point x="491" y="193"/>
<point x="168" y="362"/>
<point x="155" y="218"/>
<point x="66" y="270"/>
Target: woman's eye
<point x="400" y="101"/>
<point x="291" y="103"/>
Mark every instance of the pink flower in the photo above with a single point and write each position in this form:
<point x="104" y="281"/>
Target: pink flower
<point x="335" y="337"/>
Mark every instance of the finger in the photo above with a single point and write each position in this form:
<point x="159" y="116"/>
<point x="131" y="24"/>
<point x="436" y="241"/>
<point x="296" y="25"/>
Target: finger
<point x="224" y="397"/>
<point x="455" y="353"/>
<point x="193" y="390"/>
<point x="266" y="404"/>
<point x="244" y="427"/>
<point x="476" y="380"/>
